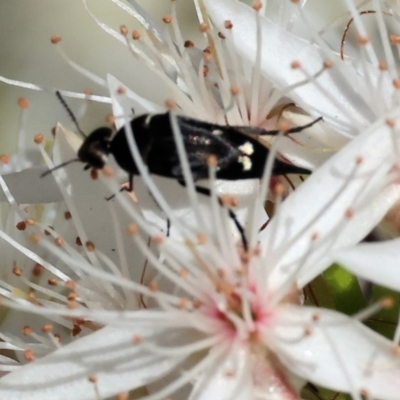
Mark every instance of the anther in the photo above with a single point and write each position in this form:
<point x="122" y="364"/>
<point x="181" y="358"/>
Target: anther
<point x="52" y="282"/>
<point x="188" y="44"/>
<point x="201" y="238"/>
<point x="212" y="161"/>
<point x="27" y="330"/>
<point x="47" y="328"/>
<point x="383" y="65"/>
<point x="137" y="339"/>
<point x="30" y="222"/>
<point x="386" y="302"/>
<point x="328" y="64"/>
<point x="132" y="229"/>
<point x="314" y="236"/>
<point x="395" y="349"/>
<point x="90" y="246"/>
<point x="23" y="102"/>
<point x="228" y="24"/>
<point x="59" y="241"/>
<point x="94" y="174"/>
<point x="38" y="138"/>
<point x="365" y="393"/>
<point x="359" y="160"/>
<point x="55" y="39"/>
<point x="390" y="122"/>
<point x="67" y="215"/>
<point x="221" y="35"/>
<point x="72" y="304"/>
<point x="153" y="286"/>
<point x="170" y="104"/>
<point x="92" y="378"/>
<point x="183" y="303"/>
<point x="4" y="159"/>
<point x="29" y="355"/>
<point x="316" y="317"/>
<point x="257" y="5"/>
<point x="394" y="39"/>
<point x="26" y="209"/>
<point x="167" y="19"/>
<point x="135" y="35"/>
<point x="76" y="330"/>
<point x="70" y="285"/>
<point x="107" y="171"/>
<point x="37" y="269"/>
<point x="349" y="213"/>
<point x="122" y="396"/>
<point x="363" y="40"/>
<point x="17" y="271"/>
<point x="35" y="238"/>
<point x="204" y="27"/>
<point x="295" y="64"/>
<point x="235" y="90"/>
<point x="284" y="126"/>
<point x="183" y="273"/>
<point x="158" y="239"/>
<point x="396" y="83"/>
<point x="21" y="226"/>
<point x="123" y="30"/>
<point x="121" y="90"/>
<point x="78" y="241"/>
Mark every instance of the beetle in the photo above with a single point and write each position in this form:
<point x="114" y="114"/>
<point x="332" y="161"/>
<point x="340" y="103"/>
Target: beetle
<point x="237" y="149"/>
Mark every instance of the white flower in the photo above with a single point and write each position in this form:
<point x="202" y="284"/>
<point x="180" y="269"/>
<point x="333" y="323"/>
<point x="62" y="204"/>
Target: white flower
<point x="220" y="322"/>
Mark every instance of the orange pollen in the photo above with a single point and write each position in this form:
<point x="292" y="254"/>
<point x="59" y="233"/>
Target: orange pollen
<point x="90" y="246"/>
<point x="59" y="242"/>
<point x="188" y="44"/>
<point x="279" y="189"/>
<point x="70" y="285"/>
<point x="4" y="159"/>
<point x="386" y="302"/>
<point x="235" y="90"/>
<point x="257" y="5"/>
<point x="205" y="70"/>
<point x="183" y="303"/>
<point x="207" y="59"/>
<point x="391" y="122"/>
<point x="284" y="126"/>
<point x="228" y="24"/>
<point x="55" y="39"/>
<point x="383" y="65"/>
<point x="72" y="296"/>
<point x="245" y="257"/>
<point x="394" y="39"/>
<point x="363" y="40"/>
<point x="37" y="269"/>
<point x="107" y="171"/>
<point x="137" y="339"/>
<point x="158" y="239"/>
<point x="29" y="355"/>
<point x="38" y="138"/>
<point x="167" y="19"/>
<point x="110" y="119"/>
<point x="72" y="304"/>
<point x="396" y="83"/>
<point x="124" y="30"/>
<point x="23" y="102"/>
<point x="359" y="160"/>
<point x="295" y="64"/>
<point x="153" y="286"/>
<point x="67" y="215"/>
<point x="17" y="271"/>
<point x="132" y="229"/>
<point x="202" y="238"/>
<point x="27" y="330"/>
<point x="122" y="396"/>
<point x="170" y="104"/>
<point x="135" y="35"/>
<point x="47" y="328"/>
<point x="203" y="27"/>
<point x="93" y="378"/>
<point x="328" y="64"/>
<point x="88" y="92"/>
<point x="30" y="222"/>
<point x="349" y="213"/>
<point x="26" y="209"/>
<point x="212" y="161"/>
<point x="121" y="90"/>
<point x="21" y="226"/>
<point x="52" y="282"/>
<point x="183" y="273"/>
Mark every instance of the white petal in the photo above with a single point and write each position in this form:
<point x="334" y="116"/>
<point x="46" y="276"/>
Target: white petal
<point x="109" y="354"/>
<point x="229" y="379"/>
<point x="129" y="100"/>
<point x="279" y="49"/>
<point x="318" y="207"/>
<point x="29" y="187"/>
<point x="337" y="352"/>
<point x="377" y="262"/>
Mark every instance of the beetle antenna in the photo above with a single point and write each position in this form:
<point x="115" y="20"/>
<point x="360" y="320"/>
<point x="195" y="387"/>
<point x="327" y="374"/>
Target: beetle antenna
<point x="49" y="171"/>
<point x="70" y="113"/>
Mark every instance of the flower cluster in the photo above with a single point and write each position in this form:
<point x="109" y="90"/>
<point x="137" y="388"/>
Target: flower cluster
<point x="119" y="302"/>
